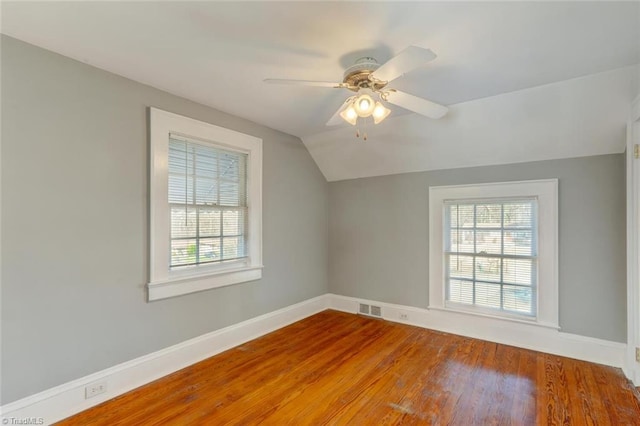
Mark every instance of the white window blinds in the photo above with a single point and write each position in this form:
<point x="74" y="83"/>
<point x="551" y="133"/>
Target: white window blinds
<point x="491" y="254"/>
<point x="208" y="203"/>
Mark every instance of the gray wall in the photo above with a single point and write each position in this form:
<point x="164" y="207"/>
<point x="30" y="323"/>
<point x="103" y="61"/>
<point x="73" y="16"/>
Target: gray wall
<point x="379" y="234"/>
<point x="75" y="218"/>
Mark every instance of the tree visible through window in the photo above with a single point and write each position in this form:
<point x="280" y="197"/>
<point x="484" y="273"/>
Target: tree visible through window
<point x="491" y="254"/>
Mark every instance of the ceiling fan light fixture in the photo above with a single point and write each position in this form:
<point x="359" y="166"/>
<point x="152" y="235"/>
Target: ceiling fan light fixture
<point x="380" y="112"/>
<point x="349" y="115"/>
<point x="364" y="105"/>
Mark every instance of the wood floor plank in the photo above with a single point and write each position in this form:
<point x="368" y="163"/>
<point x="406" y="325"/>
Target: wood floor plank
<point x="524" y="398"/>
<point x="336" y="368"/>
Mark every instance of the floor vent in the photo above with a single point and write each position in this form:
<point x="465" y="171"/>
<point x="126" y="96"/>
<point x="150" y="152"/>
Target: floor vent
<point x="376" y="311"/>
<point x="364" y="309"/>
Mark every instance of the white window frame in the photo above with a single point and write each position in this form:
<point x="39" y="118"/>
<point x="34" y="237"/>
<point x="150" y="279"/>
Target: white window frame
<point x="546" y="193"/>
<point x="165" y="282"/>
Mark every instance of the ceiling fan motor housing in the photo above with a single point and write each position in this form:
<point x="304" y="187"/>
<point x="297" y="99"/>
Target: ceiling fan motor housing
<point x="357" y="75"/>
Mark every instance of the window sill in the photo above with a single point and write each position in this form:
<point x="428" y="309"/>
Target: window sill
<point x="519" y="320"/>
<point x="193" y="283"/>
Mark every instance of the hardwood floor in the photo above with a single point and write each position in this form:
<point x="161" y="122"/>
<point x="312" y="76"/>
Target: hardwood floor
<point x="343" y="369"/>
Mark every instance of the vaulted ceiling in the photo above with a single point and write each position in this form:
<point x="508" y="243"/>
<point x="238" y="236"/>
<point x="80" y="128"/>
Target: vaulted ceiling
<point x="524" y="80"/>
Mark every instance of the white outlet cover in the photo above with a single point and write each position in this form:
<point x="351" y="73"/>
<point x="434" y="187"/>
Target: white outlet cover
<point x="95" y="389"/>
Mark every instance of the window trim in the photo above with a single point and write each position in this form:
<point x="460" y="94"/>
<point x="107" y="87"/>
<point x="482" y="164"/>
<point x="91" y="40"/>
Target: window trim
<point x="546" y="192"/>
<point x="164" y="282"/>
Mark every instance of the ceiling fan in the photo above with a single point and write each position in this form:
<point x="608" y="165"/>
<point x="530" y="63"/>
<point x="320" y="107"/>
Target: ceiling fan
<point x="369" y="80"/>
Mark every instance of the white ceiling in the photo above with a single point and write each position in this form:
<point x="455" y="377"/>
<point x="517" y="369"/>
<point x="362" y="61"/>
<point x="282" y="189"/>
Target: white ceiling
<point x="218" y="53"/>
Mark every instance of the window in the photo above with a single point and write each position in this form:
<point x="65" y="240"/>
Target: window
<point x="205" y="206"/>
<point x="491" y="254"/>
<point x="208" y="201"/>
<point x="493" y="250"/>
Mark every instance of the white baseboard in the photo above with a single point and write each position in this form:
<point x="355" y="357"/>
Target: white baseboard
<point x="65" y="400"/>
<point x="518" y="334"/>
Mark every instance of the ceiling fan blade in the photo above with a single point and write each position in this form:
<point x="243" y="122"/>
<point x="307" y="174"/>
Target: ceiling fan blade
<point x="335" y="118"/>
<point x="416" y="104"/>
<point x="305" y="83"/>
<point x="409" y="59"/>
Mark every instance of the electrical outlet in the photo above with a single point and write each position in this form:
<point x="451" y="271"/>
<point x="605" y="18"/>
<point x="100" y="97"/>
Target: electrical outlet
<point x="95" y="389"/>
<point x="638" y="354"/>
<point x="404" y="316"/>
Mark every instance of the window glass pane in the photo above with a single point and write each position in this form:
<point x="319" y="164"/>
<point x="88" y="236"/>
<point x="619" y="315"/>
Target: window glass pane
<point x="488" y="268"/>
<point x="451" y="212"/>
<point x="183" y="222"/>
<point x="180" y="189"/>
<point x="488" y="295"/>
<point x="517" y="299"/>
<point x="181" y="157"/>
<point x="461" y="291"/>
<point x="206" y="191"/>
<point x="489" y="242"/>
<point x="210" y="249"/>
<point x="465" y="215"/>
<point x="518" y="243"/>
<point x="229" y="195"/>
<point x="207" y="163"/>
<point x="489" y="215"/>
<point x="517" y="271"/>
<point x="460" y="266"/>
<point x="210" y="221"/>
<point x="230" y="167"/>
<point x="232" y="247"/>
<point x="453" y="240"/>
<point x="518" y="215"/>
<point x="183" y="252"/>
<point x="233" y="222"/>
<point x="466" y="242"/>
<point x="178" y="156"/>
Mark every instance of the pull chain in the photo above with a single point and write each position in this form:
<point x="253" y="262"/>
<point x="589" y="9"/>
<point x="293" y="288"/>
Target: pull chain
<point x="364" y="127"/>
